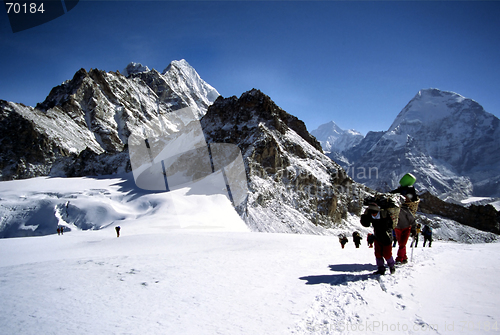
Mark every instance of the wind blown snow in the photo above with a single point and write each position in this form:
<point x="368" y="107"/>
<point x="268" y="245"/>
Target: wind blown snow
<point x="185" y="263"/>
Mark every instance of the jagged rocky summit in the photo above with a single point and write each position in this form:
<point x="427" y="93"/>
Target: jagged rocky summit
<point x="449" y="142"/>
<point x="83" y="125"/>
<point x="293" y="186"/>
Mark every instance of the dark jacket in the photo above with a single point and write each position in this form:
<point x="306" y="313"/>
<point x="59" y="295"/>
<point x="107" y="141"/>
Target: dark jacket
<point x="407" y="190"/>
<point x="382" y="228"/>
<point x="406" y="218"/>
<point x="427" y="232"/>
<point x="356" y="238"/>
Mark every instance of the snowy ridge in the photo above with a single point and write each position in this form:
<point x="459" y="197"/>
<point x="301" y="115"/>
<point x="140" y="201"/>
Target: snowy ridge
<point x="72" y="140"/>
<point x="495" y="202"/>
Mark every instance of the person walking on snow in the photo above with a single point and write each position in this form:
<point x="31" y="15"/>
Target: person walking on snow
<point x="427" y="232"/>
<point x="382" y="230"/>
<point x="406" y="222"/>
<point x="356" y="238"/>
<point x="415" y="236"/>
<point x="370" y="239"/>
<point x="405" y="227"/>
<point x="343" y="240"/>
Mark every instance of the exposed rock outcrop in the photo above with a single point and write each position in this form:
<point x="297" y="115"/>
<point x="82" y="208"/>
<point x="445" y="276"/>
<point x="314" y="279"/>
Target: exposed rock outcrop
<point x="293" y="186"/>
<point x="482" y="217"/>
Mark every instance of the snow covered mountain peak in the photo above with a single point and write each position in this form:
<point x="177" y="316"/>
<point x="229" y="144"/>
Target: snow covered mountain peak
<point x="181" y="65"/>
<point x="293" y="186"/>
<point x="332" y="127"/>
<point x="183" y="76"/>
<point x="134" y="68"/>
<point x="432" y="105"/>
<point x="335" y="139"/>
<point x="180" y="77"/>
<point x="448" y="141"/>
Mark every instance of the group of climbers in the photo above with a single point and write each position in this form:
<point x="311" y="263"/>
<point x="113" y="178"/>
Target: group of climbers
<point x="392" y="218"/>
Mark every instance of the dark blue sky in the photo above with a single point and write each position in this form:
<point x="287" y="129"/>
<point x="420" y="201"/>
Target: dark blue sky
<point x="354" y="62"/>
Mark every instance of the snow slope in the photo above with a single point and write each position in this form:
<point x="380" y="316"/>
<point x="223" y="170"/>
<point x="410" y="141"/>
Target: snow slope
<point x="38" y="206"/>
<point x="173" y="272"/>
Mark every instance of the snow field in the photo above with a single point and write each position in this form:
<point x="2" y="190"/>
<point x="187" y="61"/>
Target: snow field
<point x="185" y="263"/>
<point x="178" y="281"/>
<point x="447" y="289"/>
<point x="195" y="281"/>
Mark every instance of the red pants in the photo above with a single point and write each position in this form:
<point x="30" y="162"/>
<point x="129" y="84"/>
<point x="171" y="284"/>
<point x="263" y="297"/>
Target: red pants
<point x="402" y="236"/>
<point x="381" y="252"/>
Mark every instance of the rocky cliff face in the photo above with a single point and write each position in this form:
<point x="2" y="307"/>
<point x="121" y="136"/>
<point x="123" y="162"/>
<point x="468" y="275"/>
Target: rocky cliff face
<point x="83" y="126"/>
<point x="293" y="186"/>
<point x="482" y="217"/>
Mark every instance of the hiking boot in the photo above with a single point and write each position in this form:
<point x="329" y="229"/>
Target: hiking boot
<point x="393" y="269"/>
<point x="380" y="271"/>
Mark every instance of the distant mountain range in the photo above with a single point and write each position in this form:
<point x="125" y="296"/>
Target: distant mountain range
<point x="83" y="125"/>
<point x="449" y="142"/>
<point x="83" y="128"/>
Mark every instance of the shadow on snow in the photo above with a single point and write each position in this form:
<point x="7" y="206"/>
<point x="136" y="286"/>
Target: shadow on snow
<point x="352" y="274"/>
